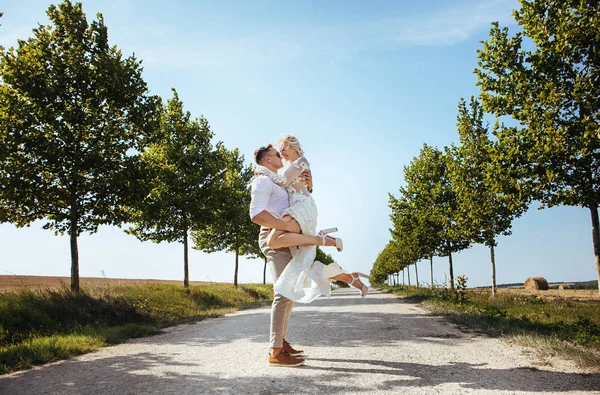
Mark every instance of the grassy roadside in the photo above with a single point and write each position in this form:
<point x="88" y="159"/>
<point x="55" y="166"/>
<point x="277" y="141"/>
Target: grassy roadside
<point x="41" y="326"/>
<point x="561" y="327"/>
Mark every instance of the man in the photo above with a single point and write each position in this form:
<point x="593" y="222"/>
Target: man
<point x="269" y="200"/>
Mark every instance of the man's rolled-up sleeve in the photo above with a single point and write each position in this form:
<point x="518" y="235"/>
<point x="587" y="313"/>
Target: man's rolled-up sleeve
<point x="261" y="191"/>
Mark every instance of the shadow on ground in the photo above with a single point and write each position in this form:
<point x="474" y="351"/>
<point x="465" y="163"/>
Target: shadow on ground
<point x="125" y="374"/>
<point x="146" y="373"/>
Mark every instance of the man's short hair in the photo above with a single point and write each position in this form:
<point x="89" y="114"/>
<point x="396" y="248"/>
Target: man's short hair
<point x="261" y="152"/>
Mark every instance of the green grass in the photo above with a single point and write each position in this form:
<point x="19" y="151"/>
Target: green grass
<point x="43" y="326"/>
<point x="570" y="328"/>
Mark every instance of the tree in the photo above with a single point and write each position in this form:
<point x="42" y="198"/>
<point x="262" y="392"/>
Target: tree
<point x="382" y="267"/>
<point x="392" y="259"/>
<point x="185" y="188"/>
<point x="73" y="113"/>
<point x="323" y="257"/>
<point x="255" y="252"/>
<point x="553" y="91"/>
<point x="486" y="204"/>
<point x="234" y="231"/>
<point x="252" y="250"/>
<point x="430" y="189"/>
<point x="413" y="228"/>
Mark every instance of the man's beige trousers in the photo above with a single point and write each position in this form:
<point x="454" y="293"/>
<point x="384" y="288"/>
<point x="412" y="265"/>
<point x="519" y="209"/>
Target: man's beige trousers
<point x="281" y="310"/>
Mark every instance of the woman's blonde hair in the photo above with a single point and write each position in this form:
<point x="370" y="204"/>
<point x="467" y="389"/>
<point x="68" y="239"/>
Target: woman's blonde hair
<point x="287" y="141"/>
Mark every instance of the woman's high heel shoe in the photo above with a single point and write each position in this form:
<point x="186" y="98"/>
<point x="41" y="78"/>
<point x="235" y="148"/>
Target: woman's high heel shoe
<point x="338" y="242"/>
<point x="327" y="231"/>
<point x="363" y="288"/>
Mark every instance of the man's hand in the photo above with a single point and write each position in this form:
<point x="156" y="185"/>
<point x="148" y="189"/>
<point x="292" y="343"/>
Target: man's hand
<point x="307" y="176"/>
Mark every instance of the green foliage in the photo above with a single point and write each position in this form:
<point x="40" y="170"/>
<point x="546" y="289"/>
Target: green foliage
<point x="554" y="93"/>
<point x="260" y="292"/>
<point x="48" y="325"/>
<point x="487" y="201"/>
<point x="234" y="231"/>
<point x="323" y="257"/>
<point x="461" y="288"/>
<point x="71" y="111"/>
<point x="425" y="214"/>
<point x="45" y="349"/>
<point x="185" y="173"/>
<point x="486" y="206"/>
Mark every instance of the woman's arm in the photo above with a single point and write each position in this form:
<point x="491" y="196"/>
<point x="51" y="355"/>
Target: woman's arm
<point x="295" y="170"/>
<point x="290" y="174"/>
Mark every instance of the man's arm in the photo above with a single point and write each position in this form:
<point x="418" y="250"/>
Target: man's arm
<point x="266" y="219"/>
<point x="261" y="190"/>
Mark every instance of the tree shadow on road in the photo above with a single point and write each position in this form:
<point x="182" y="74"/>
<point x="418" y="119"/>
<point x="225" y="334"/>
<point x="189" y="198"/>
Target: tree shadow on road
<point x="147" y="373"/>
<point x="313" y="326"/>
<point x="473" y="376"/>
<point x="372" y="329"/>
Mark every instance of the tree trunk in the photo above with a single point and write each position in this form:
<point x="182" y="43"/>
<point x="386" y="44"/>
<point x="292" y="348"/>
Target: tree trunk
<point x="74" y="259"/>
<point x="403" y="283"/>
<point x="408" y="270"/>
<point x="265" y="272"/>
<point x="74" y="250"/>
<point x="596" y="240"/>
<point x="417" y="274"/>
<point x="451" y="269"/>
<point x="493" y="256"/>
<point x="235" y="276"/>
<point x="431" y="270"/>
<point x="186" y="272"/>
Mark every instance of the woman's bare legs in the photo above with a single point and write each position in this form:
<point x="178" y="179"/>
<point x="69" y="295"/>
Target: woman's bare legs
<point x="281" y="239"/>
<point x="275" y="233"/>
<point x="347" y="278"/>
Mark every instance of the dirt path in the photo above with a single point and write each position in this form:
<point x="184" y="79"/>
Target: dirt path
<point x="375" y="345"/>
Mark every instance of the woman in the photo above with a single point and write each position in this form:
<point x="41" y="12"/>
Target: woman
<point x="304" y="279"/>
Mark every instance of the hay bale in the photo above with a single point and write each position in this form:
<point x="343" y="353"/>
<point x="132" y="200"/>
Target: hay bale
<point x="536" y="283"/>
<point x="564" y="286"/>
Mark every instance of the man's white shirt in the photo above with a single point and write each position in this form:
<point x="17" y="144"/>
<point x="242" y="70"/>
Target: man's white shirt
<point x="266" y="195"/>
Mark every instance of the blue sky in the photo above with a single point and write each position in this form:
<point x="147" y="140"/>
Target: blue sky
<point x="362" y="85"/>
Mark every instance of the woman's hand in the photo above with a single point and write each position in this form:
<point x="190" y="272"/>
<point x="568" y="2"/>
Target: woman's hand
<point x="307" y="177"/>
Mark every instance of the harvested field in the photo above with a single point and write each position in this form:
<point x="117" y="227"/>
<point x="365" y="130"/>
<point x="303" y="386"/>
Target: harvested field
<point x="16" y="282"/>
<point x="577" y="294"/>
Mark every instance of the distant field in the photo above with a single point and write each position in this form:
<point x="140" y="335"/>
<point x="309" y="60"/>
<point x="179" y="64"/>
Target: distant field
<point x="14" y="282"/>
<point x="579" y="294"/>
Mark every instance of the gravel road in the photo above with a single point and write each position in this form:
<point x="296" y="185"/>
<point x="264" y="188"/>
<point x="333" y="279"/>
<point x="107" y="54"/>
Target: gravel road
<point x="375" y="345"/>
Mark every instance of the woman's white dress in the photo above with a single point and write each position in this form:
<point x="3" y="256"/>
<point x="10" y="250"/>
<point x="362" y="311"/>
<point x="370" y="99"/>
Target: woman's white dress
<point x="304" y="279"/>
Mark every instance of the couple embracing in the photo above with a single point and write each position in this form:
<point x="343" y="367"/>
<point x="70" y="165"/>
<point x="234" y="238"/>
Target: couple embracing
<point x="283" y="206"/>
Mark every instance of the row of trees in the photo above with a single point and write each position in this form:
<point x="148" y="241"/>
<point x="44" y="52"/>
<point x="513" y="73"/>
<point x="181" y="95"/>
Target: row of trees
<point x="85" y="144"/>
<point x="472" y="192"/>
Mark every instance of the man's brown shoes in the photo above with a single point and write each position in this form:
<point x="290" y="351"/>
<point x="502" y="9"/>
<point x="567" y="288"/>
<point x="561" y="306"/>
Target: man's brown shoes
<point x="290" y="350"/>
<point x="285" y="359"/>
